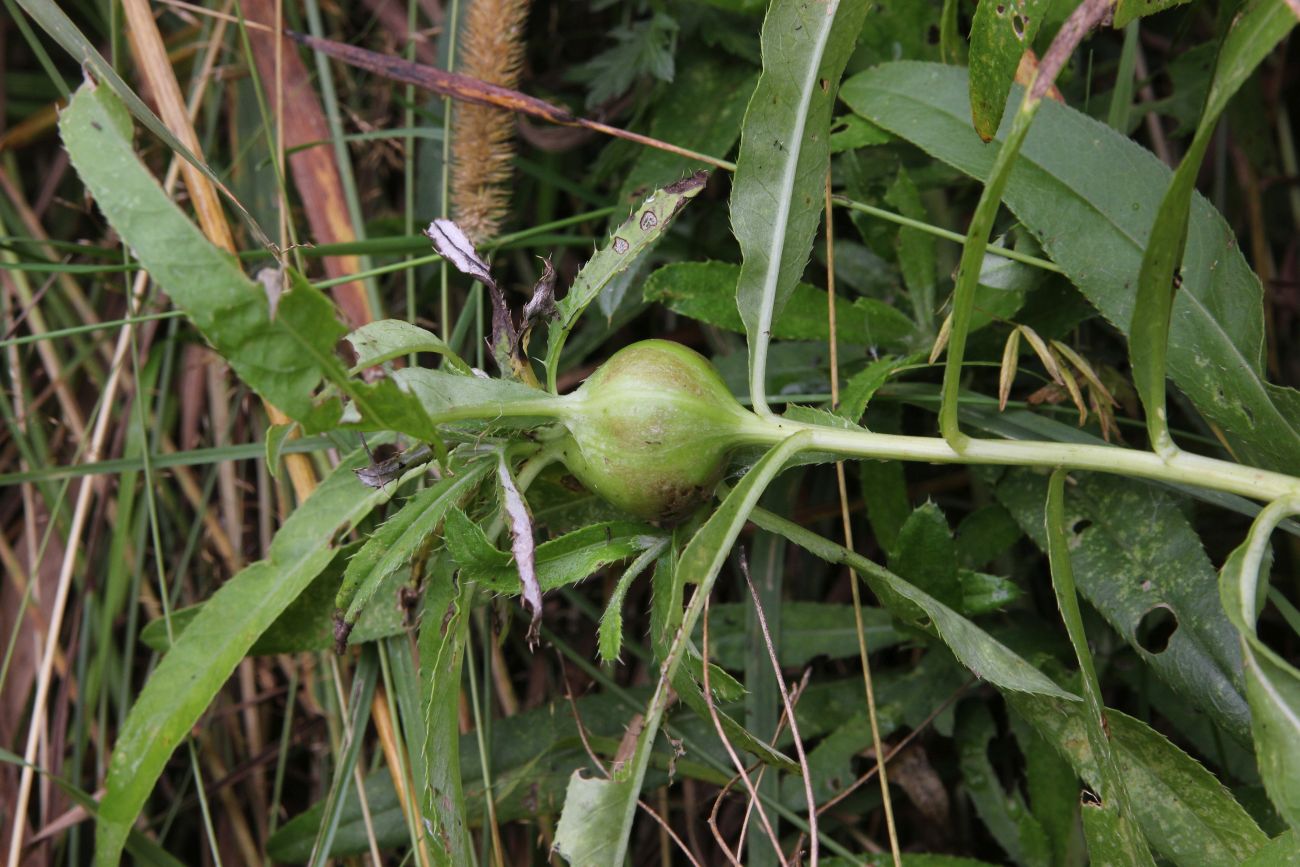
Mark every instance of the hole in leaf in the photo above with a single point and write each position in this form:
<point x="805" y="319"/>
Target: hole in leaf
<point x="932" y="35"/>
<point x="1156" y="628"/>
<point x="1000" y="9"/>
<point x="1080" y="525"/>
<point x="1018" y="26"/>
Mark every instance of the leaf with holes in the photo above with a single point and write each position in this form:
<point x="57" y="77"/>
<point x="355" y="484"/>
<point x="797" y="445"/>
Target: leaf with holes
<point x="999" y="34"/>
<point x="1138" y="571"/>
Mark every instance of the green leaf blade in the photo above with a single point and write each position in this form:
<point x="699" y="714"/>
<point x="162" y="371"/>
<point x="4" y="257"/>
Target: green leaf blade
<point x="1253" y="36"/>
<point x="776" y="199"/>
<point x="207" y="652"/>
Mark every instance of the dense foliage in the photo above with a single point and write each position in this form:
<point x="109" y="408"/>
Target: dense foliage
<point x="816" y="431"/>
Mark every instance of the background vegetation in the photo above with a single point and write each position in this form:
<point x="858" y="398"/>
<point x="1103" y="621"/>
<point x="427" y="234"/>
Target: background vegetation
<point x="142" y="470"/>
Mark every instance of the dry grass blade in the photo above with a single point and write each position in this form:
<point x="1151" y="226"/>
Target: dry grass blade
<point x="789" y="713"/>
<point x="1072" y="386"/>
<point x="1044" y="354"/>
<point x="1010" y="363"/>
<point x="731" y="751"/>
<point x="1089" y="374"/>
<point x="941" y="339"/>
<point x="466" y="89"/>
<point x="315" y="169"/>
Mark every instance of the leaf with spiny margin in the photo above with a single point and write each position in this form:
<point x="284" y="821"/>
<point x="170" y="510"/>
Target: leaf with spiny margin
<point x="1090" y="208"/>
<point x="637" y="234"/>
<point x="444" y="629"/>
<point x="611" y="622"/>
<point x="924" y="555"/>
<point x="386" y="339"/>
<point x="702" y="111"/>
<point x="398" y="539"/>
<point x="999" y="34"/>
<point x="777" y="192"/>
<point x="188" y="678"/>
<point x="1253" y="35"/>
<point x="566" y="560"/>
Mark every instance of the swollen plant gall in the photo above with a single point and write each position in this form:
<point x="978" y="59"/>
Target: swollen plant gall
<point x="651" y="430"/>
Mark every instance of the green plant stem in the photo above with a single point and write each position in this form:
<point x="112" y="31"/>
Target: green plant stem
<point x="1182" y="468"/>
<point x="972" y="257"/>
<point x="945" y="234"/>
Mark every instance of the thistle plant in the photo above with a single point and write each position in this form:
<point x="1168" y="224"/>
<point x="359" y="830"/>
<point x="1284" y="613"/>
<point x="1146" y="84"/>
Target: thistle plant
<point x="676" y="464"/>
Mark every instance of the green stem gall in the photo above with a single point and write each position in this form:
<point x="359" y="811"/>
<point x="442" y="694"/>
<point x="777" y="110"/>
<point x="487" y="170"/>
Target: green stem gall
<point x="653" y="428"/>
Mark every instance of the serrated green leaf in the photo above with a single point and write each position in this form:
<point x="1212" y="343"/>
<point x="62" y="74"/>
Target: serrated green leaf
<point x="924" y="555"/>
<point x="396" y="541"/>
<point x="638" y="233"/>
<point x="1091" y="210"/>
<point x="559" y="562"/>
<point x="611" y="622"/>
<point x="285" y="353"/>
<point x="386" y="339"/>
<point x="777" y="192"/>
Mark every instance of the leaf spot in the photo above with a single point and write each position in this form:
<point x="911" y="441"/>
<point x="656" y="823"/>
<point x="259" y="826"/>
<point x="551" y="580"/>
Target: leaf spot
<point x="649" y="221"/>
<point x="620" y="245"/>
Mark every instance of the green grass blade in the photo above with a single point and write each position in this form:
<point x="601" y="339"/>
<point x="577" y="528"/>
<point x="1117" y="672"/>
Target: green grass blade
<point x="1111" y="823"/>
<point x="363" y="690"/>
<point x="1272" y="682"/>
<point x="1253" y="36"/>
<point x="57" y="24"/>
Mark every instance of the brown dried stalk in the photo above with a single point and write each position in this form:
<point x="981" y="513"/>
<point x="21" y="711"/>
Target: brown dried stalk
<point x="482" y="149"/>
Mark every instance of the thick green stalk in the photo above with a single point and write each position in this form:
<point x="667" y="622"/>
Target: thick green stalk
<point x="1182" y="468"/>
